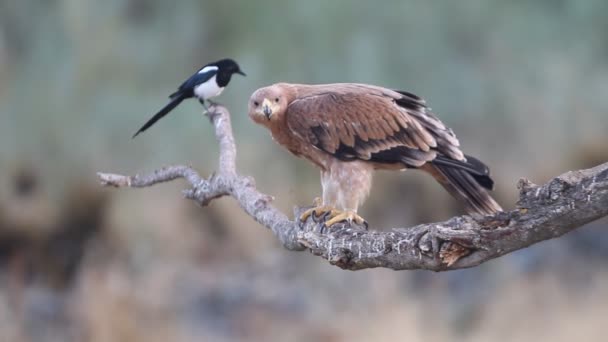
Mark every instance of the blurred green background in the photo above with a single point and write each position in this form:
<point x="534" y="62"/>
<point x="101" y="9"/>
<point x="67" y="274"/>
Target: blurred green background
<point x="523" y="84"/>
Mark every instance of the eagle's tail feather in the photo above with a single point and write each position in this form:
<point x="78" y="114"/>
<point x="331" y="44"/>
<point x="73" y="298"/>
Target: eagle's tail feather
<point x="468" y="183"/>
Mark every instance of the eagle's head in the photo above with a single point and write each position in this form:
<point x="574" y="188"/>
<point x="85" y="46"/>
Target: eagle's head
<point x="269" y="104"/>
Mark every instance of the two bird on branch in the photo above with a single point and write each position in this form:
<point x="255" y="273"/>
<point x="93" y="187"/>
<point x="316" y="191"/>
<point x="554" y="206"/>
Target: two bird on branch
<point x="348" y="130"/>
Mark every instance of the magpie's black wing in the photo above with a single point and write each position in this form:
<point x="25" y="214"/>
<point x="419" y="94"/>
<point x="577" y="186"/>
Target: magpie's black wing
<point x="202" y="76"/>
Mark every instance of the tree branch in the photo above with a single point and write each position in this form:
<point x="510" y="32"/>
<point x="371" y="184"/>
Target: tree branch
<point x="544" y="212"/>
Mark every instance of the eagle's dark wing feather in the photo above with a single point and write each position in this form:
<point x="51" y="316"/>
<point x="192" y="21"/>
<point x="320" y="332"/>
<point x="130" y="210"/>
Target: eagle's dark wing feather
<point x="372" y="123"/>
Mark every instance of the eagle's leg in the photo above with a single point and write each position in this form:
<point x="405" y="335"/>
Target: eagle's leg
<point x="346" y="185"/>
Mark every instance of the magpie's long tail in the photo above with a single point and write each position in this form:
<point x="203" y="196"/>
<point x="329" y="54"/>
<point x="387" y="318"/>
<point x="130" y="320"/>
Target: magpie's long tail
<point x="175" y="100"/>
<point x="468" y="181"/>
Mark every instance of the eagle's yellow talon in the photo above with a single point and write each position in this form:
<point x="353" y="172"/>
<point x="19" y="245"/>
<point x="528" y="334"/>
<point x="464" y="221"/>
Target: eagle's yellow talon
<point x="349" y="216"/>
<point x="319" y="211"/>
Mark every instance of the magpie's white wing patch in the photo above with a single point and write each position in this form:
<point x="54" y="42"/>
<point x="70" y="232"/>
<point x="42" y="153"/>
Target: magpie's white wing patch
<point x="207" y="69"/>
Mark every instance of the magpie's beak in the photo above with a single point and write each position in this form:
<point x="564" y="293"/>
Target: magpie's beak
<point x="240" y="73"/>
<point x="267" y="108"/>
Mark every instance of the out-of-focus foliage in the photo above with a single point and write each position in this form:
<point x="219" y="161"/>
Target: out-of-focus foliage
<point x="523" y="84"/>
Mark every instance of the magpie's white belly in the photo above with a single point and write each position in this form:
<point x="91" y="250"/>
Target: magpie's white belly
<point x="208" y="89"/>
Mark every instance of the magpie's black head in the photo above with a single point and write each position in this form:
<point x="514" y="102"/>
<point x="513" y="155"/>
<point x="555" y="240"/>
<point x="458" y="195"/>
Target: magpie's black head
<point x="228" y="66"/>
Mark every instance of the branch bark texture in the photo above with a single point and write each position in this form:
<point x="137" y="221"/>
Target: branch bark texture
<point x="543" y="212"/>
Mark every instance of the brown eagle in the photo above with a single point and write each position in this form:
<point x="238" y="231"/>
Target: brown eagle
<point x="348" y="130"/>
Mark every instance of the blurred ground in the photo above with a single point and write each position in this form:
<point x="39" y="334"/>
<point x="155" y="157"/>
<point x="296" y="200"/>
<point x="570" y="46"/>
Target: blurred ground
<point x="522" y="84"/>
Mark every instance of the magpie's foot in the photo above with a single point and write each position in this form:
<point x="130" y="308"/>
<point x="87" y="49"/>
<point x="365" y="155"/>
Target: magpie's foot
<point x="213" y="103"/>
<point x="202" y="102"/>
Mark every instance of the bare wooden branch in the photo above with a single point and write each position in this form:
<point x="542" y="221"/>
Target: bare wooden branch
<point x="544" y="212"/>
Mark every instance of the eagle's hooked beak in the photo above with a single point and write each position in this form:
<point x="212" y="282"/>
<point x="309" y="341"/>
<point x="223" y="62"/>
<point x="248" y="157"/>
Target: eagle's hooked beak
<point x="267" y="108"/>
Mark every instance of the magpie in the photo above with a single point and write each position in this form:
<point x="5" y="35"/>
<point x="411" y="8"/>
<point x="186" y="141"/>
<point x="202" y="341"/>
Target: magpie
<point x="206" y="83"/>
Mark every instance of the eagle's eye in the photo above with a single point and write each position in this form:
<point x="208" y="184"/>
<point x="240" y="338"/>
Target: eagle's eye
<point x="276" y="99"/>
<point x="256" y="103"/>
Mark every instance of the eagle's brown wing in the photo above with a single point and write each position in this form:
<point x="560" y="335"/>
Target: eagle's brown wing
<point x="354" y="121"/>
<point x="371" y="123"/>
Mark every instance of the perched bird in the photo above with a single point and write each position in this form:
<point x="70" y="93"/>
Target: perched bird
<point x="348" y="130"/>
<point x="206" y="83"/>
